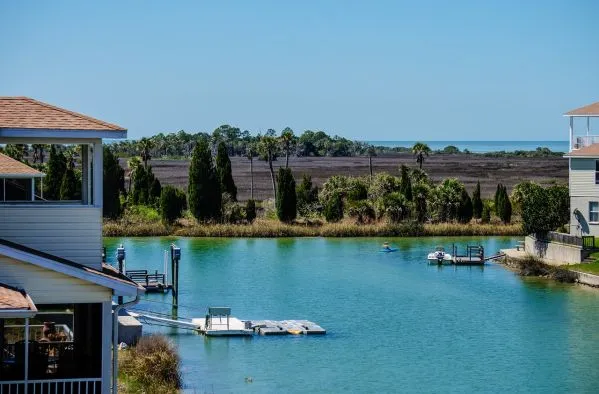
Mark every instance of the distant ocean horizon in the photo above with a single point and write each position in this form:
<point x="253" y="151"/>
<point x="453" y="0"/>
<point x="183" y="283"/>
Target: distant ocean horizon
<point x="482" y="146"/>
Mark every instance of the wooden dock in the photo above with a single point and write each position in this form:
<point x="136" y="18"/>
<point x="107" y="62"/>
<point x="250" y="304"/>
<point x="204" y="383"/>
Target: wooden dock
<point x="475" y="255"/>
<point x="153" y="283"/>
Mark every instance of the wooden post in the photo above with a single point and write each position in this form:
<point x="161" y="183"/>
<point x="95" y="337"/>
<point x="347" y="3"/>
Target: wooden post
<point x="175" y="257"/>
<point x="120" y="256"/>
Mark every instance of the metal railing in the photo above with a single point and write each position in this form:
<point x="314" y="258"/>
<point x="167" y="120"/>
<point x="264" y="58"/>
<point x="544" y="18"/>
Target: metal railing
<point x="585" y="242"/>
<point x="585" y="140"/>
<point x="79" y="386"/>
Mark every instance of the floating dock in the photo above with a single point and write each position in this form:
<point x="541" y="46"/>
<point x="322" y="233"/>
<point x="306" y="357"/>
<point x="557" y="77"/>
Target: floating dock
<point x="219" y="323"/>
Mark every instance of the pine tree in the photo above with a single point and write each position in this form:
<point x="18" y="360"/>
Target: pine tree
<point x="113" y="184"/>
<point x="57" y="166"/>
<point x="477" y="202"/>
<point x="225" y="174"/>
<point x="205" y="200"/>
<point x="286" y="196"/>
<point x="405" y="186"/>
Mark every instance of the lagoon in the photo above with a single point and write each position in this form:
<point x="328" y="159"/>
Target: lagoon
<point x="395" y="323"/>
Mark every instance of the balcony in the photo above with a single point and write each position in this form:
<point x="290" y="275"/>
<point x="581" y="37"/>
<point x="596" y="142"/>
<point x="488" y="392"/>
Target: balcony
<point x="579" y="142"/>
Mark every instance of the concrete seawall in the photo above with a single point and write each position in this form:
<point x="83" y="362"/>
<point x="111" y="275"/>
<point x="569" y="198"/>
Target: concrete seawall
<point x="588" y="279"/>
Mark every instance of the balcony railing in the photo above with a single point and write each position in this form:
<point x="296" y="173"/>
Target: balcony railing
<point x="583" y="141"/>
<point x="79" y="386"/>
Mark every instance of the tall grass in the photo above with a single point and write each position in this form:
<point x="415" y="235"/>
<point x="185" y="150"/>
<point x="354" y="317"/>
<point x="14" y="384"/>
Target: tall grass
<point x="152" y="366"/>
<point x="271" y="228"/>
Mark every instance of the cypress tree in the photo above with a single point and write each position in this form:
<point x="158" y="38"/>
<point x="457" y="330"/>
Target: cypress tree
<point x="57" y="166"/>
<point x="113" y="182"/>
<point x="223" y="169"/>
<point x="155" y="190"/>
<point x="506" y="206"/>
<point x="286" y="196"/>
<point x="499" y="200"/>
<point x="465" y="210"/>
<point x="68" y="186"/>
<point x="477" y="202"/>
<point x="405" y="186"/>
<point x="140" y="186"/>
<point x="205" y="200"/>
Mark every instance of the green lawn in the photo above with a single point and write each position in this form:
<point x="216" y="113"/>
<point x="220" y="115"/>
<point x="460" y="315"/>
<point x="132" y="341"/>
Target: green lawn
<point x="591" y="268"/>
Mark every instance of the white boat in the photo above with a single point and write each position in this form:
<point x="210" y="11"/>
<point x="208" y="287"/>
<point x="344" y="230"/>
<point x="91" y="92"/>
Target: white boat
<point x="439" y="256"/>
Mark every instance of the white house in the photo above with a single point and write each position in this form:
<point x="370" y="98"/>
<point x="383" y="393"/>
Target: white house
<point x="584" y="172"/>
<point x="56" y="317"/>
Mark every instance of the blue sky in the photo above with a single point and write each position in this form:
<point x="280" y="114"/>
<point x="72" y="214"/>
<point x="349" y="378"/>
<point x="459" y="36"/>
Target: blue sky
<point x="380" y="70"/>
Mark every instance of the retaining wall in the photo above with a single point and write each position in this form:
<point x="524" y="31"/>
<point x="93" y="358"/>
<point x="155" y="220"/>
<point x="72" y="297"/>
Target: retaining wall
<point x="558" y="252"/>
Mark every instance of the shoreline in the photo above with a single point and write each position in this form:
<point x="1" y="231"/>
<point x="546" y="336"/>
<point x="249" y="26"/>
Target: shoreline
<point x="273" y="229"/>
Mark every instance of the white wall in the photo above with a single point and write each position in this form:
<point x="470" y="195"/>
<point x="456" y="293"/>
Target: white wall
<point x="582" y="178"/>
<point x="73" y="232"/>
<point x="49" y="287"/>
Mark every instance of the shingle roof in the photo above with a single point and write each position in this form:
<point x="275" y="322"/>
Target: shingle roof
<point x="591" y="150"/>
<point x="10" y="166"/>
<point x="15" y="299"/>
<point x="27" y="113"/>
<point x="588" y="110"/>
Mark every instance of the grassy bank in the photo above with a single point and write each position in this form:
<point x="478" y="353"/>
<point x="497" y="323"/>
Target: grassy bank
<point x="267" y="228"/>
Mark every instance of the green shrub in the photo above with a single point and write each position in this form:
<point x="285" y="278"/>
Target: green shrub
<point x="486" y="214"/>
<point x="362" y="212"/>
<point x="477" y="202"/>
<point x="333" y="209"/>
<point x="250" y="211"/>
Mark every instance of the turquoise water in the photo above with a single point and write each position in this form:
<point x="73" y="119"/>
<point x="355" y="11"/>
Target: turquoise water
<point x="483" y="146"/>
<point x="395" y="324"/>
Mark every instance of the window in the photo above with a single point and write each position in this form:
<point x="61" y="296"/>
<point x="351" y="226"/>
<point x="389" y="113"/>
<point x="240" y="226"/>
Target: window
<point x="594" y="211"/>
<point x="596" y="172"/>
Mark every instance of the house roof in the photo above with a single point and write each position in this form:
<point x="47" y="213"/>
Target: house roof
<point x="27" y="113"/>
<point x="588" y="151"/>
<point x="15" y="302"/>
<point x="107" y="277"/>
<point x="11" y="167"/>
<point x="587" y="110"/>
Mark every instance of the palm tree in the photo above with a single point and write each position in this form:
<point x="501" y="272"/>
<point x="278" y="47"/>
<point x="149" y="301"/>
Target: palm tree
<point x="420" y="149"/>
<point x="133" y="163"/>
<point x="268" y="150"/>
<point x="371" y="152"/>
<point x="249" y="153"/>
<point x="287" y="139"/>
<point x="144" y="146"/>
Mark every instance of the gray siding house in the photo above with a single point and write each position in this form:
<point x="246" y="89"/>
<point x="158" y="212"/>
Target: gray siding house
<point x="584" y="173"/>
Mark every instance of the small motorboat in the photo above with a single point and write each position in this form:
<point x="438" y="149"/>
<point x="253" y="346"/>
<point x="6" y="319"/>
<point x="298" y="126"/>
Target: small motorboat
<point x="439" y="256"/>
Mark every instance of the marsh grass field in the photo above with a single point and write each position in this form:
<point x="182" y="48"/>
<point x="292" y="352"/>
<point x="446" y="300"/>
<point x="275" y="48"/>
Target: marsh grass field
<point x="468" y="168"/>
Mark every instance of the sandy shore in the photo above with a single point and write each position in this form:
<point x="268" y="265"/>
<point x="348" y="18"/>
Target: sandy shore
<point x="467" y="168"/>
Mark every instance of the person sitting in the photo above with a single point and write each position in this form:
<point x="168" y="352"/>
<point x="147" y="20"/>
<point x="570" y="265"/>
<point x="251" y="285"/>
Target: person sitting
<point x="386" y="246"/>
